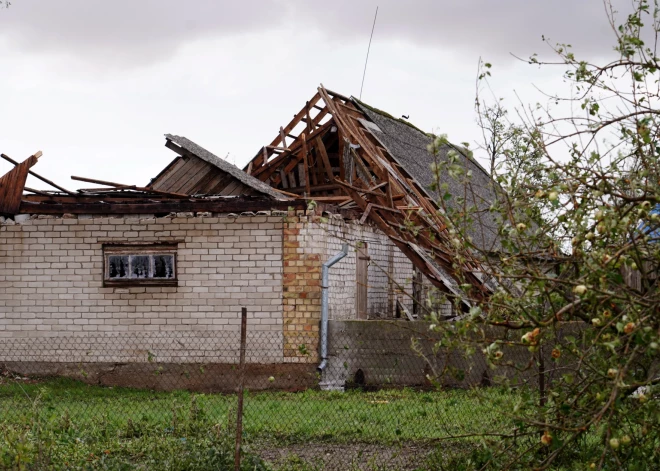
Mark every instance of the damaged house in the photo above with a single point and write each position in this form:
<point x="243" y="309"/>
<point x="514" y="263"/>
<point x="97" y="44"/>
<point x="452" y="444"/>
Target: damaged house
<point x="179" y="257"/>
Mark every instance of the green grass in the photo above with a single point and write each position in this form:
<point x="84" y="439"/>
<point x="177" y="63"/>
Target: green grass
<point x="78" y="426"/>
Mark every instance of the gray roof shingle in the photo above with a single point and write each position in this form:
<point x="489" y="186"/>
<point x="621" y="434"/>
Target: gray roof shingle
<point x="409" y="147"/>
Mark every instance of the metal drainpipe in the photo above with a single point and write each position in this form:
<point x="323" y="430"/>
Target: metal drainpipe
<point x="325" y="272"/>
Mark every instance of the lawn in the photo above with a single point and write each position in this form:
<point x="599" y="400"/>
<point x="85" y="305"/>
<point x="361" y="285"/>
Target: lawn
<point x="71" y="425"/>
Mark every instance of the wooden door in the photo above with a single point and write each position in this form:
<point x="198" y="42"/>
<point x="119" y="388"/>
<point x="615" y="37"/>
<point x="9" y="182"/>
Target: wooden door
<point x="362" y="278"/>
<point x="418" y="292"/>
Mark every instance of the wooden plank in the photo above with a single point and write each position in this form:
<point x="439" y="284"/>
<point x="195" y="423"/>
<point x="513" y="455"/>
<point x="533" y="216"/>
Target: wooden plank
<point x="230" y="188"/>
<point x="197" y="176"/>
<point x="292" y="179"/>
<point x="320" y="147"/>
<point x="286" y="193"/>
<point x="313" y="168"/>
<point x="114" y="197"/>
<point x="361" y="190"/>
<point x="390" y="200"/>
<point x="168" y="182"/>
<point x="285" y="183"/>
<point x="327" y="199"/>
<point x="305" y="151"/>
<point x="317" y="188"/>
<point x="400" y="243"/>
<point x="264" y="158"/>
<point x="258" y="163"/>
<point x="220" y="185"/>
<point x="308" y="120"/>
<point x="282" y="137"/>
<point x="123" y="186"/>
<point x="265" y="171"/>
<point x="36" y="192"/>
<point x="36" y="175"/>
<point x="231" y="205"/>
<point x="190" y="172"/>
<point x="242" y="190"/>
<point x="211" y="180"/>
<point x="342" y="174"/>
<point x="12" y="185"/>
<point x="302" y="178"/>
<point x="164" y="171"/>
<point x="365" y="215"/>
<point x="403" y="309"/>
<point x="380" y="185"/>
<point x="164" y="180"/>
<point x="336" y="95"/>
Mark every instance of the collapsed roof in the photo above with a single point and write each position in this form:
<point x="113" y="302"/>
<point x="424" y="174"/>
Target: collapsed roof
<point x="336" y="150"/>
<point x="198" y="171"/>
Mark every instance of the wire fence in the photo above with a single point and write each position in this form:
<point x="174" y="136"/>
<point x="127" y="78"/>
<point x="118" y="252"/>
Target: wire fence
<point x="386" y="399"/>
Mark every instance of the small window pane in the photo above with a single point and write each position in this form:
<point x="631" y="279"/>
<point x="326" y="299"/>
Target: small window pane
<point x="118" y="266"/>
<point x="163" y="266"/>
<point x="139" y="266"/>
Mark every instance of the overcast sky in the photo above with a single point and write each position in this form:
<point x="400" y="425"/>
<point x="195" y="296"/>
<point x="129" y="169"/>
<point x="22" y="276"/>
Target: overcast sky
<point x="95" y="84"/>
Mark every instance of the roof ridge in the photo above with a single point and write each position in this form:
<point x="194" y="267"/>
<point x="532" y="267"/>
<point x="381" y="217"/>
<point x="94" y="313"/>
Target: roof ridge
<point x="389" y="116"/>
<point x="465" y="152"/>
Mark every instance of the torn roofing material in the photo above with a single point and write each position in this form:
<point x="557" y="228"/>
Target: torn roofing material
<point x="409" y="146"/>
<point x="339" y="148"/>
<point x="225" y="166"/>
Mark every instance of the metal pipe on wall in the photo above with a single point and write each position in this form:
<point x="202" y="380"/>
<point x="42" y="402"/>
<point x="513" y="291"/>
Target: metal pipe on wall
<point x="325" y="284"/>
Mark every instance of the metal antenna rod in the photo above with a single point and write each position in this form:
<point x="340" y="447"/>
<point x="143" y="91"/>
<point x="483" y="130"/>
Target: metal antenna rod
<point x="364" y="74"/>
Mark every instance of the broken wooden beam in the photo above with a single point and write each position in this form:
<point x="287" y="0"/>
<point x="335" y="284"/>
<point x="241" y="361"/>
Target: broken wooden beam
<point x="12" y="185"/>
<point x="305" y="163"/>
<point x="301" y="189"/>
<point x="320" y="147"/>
<point x="327" y="199"/>
<point x="36" y="175"/>
<point x="264" y="171"/>
<point x="36" y="192"/>
<point x="103" y="206"/>
<point x="128" y="187"/>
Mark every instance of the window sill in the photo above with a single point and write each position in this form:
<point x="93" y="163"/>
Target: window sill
<point x="131" y="283"/>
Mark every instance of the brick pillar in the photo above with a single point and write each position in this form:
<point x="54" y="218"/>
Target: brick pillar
<point x="301" y="286"/>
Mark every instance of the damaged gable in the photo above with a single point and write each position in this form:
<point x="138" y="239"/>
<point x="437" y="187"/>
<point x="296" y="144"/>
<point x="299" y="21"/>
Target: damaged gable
<point x="336" y="149"/>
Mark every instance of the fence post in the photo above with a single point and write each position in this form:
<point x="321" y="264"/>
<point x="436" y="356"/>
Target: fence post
<point x="241" y="385"/>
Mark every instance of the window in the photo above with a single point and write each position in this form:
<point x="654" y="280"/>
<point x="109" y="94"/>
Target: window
<point x="139" y="265"/>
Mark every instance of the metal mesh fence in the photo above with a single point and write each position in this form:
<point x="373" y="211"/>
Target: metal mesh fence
<point x="385" y="400"/>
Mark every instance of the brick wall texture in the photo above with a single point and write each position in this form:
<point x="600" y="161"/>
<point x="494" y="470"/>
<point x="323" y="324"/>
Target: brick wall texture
<point x="51" y="278"/>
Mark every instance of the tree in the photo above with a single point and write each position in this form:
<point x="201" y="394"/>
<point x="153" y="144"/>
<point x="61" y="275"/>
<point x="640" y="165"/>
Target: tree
<point x="579" y="218"/>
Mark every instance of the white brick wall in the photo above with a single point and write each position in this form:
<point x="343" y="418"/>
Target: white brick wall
<point x="51" y="280"/>
<point x="327" y="238"/>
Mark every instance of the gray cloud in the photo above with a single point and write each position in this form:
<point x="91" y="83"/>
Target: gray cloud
<point x="127" y="31"/>
<point x="134" y="32"/>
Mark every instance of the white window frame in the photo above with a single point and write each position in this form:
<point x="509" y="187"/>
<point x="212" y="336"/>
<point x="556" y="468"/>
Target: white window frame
<point x="131" y="251"/>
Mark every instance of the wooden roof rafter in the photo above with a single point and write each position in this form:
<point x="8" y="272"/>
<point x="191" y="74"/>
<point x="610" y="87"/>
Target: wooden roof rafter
<point x="421" y="228"/>
<point x="363" y="170"/>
